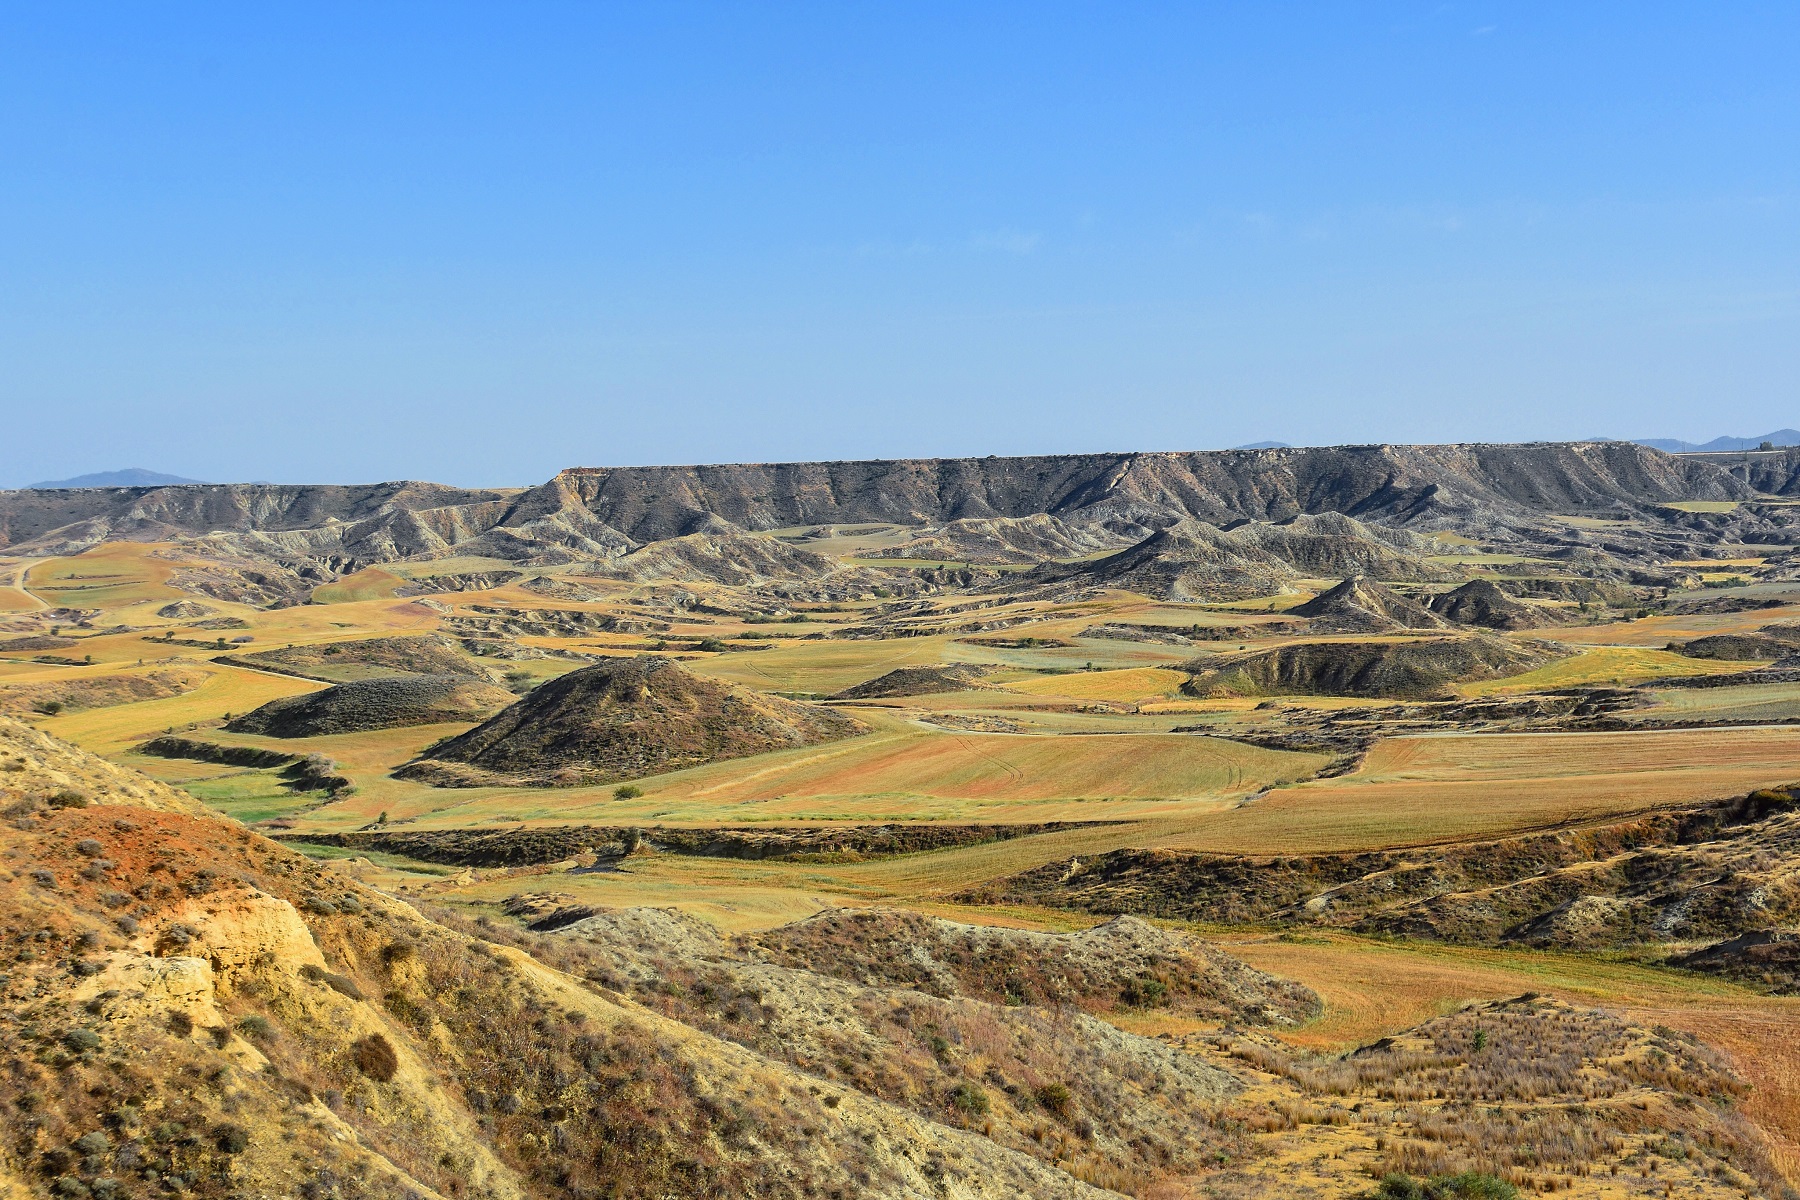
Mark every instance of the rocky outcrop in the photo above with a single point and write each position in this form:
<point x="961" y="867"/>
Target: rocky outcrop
<point x="1360" y="606"/>
<point x="603" y="513"/>
<point x="1481" y="602"/>
<point x="1416" y="669"/>
<point x="1036" y="538"/>
<point x="1188" y="561"/>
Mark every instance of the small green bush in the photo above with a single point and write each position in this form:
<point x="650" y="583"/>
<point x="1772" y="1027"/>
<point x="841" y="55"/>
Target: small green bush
<point x="627" y="791"/>
<point x="968" y="1099"/>
<point x="1470" y="1185"/>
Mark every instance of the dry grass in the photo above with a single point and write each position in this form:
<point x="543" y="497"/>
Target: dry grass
<point x="1610" y="665"/>
<point x="1417" y="790"/>
<point x="370" y="583"/>
<point x="1123" y="686"/>
<point x="113" y="576"/>
<point x="227" y="690"/>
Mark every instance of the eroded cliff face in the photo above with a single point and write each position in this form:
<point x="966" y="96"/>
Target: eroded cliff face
<point x="604" y="512"/>
<point x="1385" y="483"/>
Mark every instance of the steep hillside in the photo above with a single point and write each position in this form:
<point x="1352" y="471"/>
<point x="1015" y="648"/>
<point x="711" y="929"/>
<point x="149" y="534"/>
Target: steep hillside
<point x="917" y="681"/>
<point x="602" y="513"/>
<point x="1035" y="538"/>
<point x="622" y="719"/>
<point x="1481" y="602"/>
<point x="1399" y="669"/>
<point x="1360" y="606"/>
<point x="719" y="554"/>
<point x="1331" y="545"/>
<point x="194" y="1010"/>
<point x="1188" y="561"/>
<point x="368" y="704"/>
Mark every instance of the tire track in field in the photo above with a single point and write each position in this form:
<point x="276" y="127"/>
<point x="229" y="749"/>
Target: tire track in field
<point x="1017" y="775"/>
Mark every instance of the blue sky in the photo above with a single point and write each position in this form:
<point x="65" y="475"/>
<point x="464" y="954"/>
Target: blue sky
<point x="477" y="243"/>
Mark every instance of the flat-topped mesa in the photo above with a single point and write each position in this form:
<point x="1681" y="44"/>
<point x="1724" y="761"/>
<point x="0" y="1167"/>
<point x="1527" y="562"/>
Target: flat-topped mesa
<point x="603" y="512"/>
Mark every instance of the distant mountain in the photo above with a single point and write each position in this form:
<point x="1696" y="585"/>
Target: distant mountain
<point x="1781" y="437"/>
<point x="129" y="477"/>
<point x="1263" y="446"/>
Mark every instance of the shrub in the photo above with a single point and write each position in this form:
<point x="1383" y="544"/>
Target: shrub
<point x="1145" y="992"/>
<point x="969" y="1099"/>
<point x="80" y="1040"/>
<point x="180" y="1024"/>
<point x="257" y="1029"/>
<point x="627" y="791"/>
<point x="709" y="644"/>
<point x="1470" y="1185"/>
<point x="374" y="1056"/>
<point x="1056" y="1098"/>
<point x="397" y="952"/>
<point x="48" y="707"/>
<point x="232" y="1139"/>
<point x="68" y="798"/>
<point x="89" y="847"/>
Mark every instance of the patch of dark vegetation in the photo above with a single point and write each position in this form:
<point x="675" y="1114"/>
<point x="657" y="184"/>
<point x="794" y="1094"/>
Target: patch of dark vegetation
<point x="1771" y="642"/>
<point x="624" y="718"/>
<point x="368" y="704"/>
<point x="213" y="752"/>
<point x="918" y="681"/>
<point x="534" y="847"/>
<point x="315" y="773"/>
<point x="1708" y="871"/>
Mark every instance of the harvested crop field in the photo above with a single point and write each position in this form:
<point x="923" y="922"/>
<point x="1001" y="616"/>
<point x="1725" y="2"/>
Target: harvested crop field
<point x="1418" y="790"/>
<point x="1122" y="686"/>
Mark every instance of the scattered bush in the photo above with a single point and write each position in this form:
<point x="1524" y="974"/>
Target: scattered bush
<point x="1056" y="1098"/>
<point x="48" y="708"/>
<point x="627" y="791"/>
<point x="1470" y="1185"/>
<point x="1145" y="992"/>
<point x="68" y="798"/>
<point x="397" y="952"/>
<point x="257" y="1029"/>
<point x="81" y="1040"/>
<point x="969" y="1099"/>
<point x="232" y="1139"/>
<point x="374" y="1056"/>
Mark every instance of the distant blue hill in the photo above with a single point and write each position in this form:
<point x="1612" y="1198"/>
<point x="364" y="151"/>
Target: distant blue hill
<point x="1263" y="446"/>
<point x="1781" y="437"/>
<point x="130" y="477"/>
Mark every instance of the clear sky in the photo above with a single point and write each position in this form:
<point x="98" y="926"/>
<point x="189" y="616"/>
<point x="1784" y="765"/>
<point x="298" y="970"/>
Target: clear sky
<point x="480" y="242"/>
